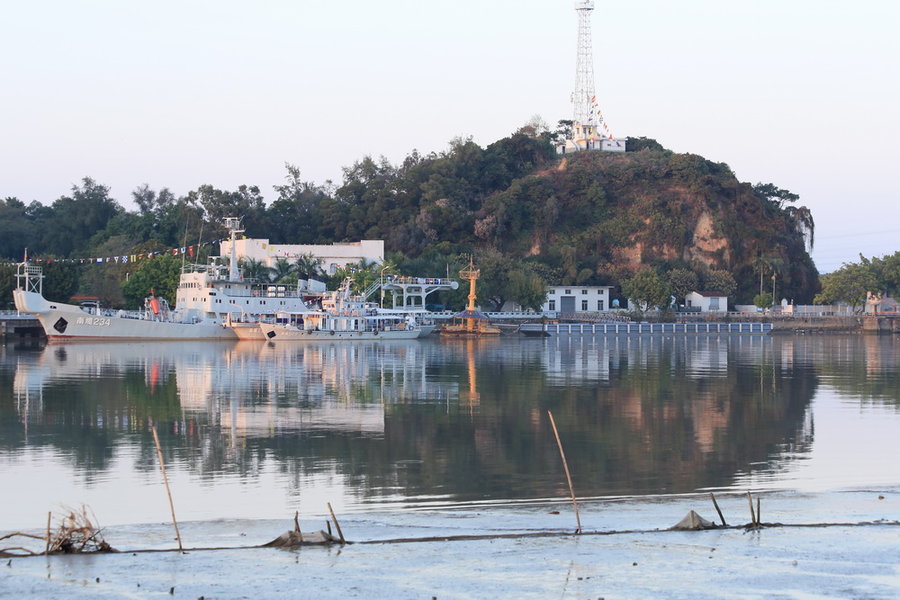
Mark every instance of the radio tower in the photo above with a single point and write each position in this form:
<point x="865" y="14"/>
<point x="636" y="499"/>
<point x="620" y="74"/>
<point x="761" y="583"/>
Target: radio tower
<point x="584" y="67"/>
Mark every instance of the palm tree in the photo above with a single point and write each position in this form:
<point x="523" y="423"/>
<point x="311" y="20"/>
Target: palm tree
<point x="255" y="269"/>
<point x="282" y="269"/>
<point x="760" y="265"/>
<point x="308" y="266"/>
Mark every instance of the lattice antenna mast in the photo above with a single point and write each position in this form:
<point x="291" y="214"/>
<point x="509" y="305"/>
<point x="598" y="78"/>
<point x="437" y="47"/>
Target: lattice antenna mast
<point x="584" y="68"/>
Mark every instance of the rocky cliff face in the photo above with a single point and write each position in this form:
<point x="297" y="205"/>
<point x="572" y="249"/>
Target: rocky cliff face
<point x="601" y="217"/>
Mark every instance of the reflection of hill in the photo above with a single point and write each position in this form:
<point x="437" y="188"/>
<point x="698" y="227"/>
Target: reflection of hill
<point x="654" y="415"/>
<point x="465" y="419"/>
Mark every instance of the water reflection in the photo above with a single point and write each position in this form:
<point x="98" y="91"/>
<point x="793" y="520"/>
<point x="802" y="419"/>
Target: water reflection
<point x="462" y="420"/>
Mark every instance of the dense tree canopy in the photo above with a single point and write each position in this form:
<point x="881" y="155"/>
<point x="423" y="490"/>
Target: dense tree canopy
<point x="530" y="219"/>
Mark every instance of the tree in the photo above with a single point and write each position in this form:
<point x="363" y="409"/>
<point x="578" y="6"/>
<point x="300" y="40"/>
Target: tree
<point x="682" y="282"/>
<point x="16" y="229"/>
<point x="851" y="284"/>
<point x="296" y="213"/>
<point x="75" y="219"/>
<point x="763" y="300"/>
<point x="160" y="274"/>
<point x="719" y="280"/>
<point x="255" y="269"/>
<point x="308" y="266"/>
<point x="774" y="194"/>
<point x="527" y="288"/>
<point x="282" y="270"/>
<point x="647" y="289"/>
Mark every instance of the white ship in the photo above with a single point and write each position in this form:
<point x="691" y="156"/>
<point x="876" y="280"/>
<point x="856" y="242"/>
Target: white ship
<point x="345" y="316"/>
<point x="212" y="302"/>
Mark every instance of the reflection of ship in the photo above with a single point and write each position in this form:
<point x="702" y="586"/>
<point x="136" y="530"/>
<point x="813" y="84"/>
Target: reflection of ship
<point x="251" y="389"/>
<point x="344" y="316"/>
<point x="207" y="298"/>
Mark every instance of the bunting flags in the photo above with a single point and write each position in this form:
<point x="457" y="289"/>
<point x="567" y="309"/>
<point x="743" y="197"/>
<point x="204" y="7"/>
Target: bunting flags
<point x="190" y="251"/>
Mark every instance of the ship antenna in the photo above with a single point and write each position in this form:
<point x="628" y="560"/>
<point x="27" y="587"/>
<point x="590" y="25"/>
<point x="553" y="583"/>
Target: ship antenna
<point x="184" y="243"/>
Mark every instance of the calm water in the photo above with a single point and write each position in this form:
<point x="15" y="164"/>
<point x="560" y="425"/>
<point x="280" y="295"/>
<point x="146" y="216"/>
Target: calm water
<point x="256" y="430"/>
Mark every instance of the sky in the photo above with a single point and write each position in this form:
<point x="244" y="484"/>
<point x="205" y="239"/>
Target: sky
<point x="800" y="93"/>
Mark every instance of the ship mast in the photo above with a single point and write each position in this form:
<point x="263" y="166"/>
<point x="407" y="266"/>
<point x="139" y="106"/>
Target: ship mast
<point x="233" y="224"/>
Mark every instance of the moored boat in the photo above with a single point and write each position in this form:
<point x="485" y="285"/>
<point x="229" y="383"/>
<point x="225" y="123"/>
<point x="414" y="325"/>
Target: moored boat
<point x="344" y="316"/>
<point x="210" y="300"/>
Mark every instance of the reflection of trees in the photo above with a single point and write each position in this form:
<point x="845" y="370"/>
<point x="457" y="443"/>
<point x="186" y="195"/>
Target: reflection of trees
<point x="858" y="366"/>
<point x="636" y="415"/>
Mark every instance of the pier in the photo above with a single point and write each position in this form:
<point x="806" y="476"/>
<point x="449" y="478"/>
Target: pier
<point x="644" y="328"/>
<point x="13" y="325"/>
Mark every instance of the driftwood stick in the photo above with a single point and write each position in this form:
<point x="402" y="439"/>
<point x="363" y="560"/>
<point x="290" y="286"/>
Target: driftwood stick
<point x="20" y="534"/>
<point x="162" y="467"/>
<point x="296" y="522"/>
<point x="752" y="514"/>
<point x="328" y="526"/>
<point x="47" y="547"/>
<point x="566" y="468"/>
<point x="758" y="512"/>
<point x="718" y="510"/>
<point x="336" y="524"/>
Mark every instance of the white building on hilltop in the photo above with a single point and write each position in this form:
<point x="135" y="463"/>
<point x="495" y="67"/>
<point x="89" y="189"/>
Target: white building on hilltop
<point x="333" y="256"/>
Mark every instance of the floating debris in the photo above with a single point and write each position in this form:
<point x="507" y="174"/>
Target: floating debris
<point x="693" y="522"/>
<point x="293" y="539"/>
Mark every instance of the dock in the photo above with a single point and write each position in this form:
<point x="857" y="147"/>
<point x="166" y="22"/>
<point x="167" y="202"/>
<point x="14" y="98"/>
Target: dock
<point x="15" y="325"/>
<point x="554" y="329"/>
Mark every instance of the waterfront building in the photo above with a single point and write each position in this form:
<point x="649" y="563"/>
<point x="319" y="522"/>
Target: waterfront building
<point x="707" y="302"/>
<point x="569" y="299"/>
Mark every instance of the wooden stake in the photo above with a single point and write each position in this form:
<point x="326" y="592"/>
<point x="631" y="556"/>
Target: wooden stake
<point x="566" y="468"/>
<point x="336" y="524"/>
<point x="718" y="510"/>
<point x="162" y="467"/>
<point x="752" y="514"/>
<point x="47" y="549"/>
<point x="296" y="522"/>
<point x="758" y="513"/>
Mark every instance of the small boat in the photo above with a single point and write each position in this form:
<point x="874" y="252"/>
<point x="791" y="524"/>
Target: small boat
<point x="320" y="325"/>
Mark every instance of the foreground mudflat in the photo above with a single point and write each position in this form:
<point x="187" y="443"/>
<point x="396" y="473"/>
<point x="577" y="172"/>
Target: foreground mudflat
<point x="625" y="553"/>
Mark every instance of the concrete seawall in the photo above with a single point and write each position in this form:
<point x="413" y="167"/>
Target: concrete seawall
<point x="860" y="324"/>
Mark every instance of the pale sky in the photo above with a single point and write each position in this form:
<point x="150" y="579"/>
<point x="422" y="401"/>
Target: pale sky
<point x="800" y="93"/>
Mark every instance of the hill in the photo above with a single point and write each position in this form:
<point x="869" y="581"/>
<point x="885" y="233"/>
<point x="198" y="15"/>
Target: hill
<point x="530" y="217"/>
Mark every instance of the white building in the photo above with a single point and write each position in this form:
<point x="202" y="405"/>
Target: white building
<point x="708" y="302"/>
<point x="586" y="137"/>
<point x="577" y="299"/>
<point x="334" y="256"/>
